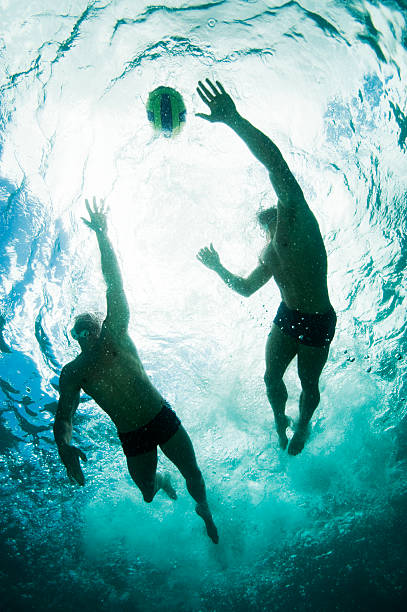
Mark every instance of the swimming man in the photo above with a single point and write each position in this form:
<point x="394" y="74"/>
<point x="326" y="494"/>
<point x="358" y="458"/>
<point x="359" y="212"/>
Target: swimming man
<point x="110" y="371"/>
<point x="295" y="257"/>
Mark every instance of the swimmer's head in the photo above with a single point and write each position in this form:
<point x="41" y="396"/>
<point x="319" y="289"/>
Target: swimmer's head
<point x="268" y="219"/>
<point x="86" y="329"/>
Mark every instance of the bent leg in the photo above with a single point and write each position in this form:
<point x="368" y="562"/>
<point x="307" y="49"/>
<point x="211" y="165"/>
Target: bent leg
<point x="180" y="451"/>
<point x="143" y="470"/>
<point x="311" y="361"/>
<point x="280" y="351"/>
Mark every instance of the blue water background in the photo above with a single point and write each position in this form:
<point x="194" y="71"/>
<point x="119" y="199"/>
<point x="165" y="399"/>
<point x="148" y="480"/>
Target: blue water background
<point x="322" y="531"/>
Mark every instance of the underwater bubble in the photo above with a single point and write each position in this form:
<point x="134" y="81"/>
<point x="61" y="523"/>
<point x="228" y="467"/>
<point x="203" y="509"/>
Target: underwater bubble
<point x="212" y="23"/>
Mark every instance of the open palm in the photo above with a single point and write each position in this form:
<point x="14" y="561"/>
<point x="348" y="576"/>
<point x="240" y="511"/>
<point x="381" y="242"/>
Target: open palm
<point x="219" y="102"/>
<point x="209" y="257"/>
<point x="98" y="222"/>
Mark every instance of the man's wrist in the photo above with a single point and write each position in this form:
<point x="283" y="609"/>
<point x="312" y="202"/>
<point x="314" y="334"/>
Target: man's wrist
<point x="101" y="232"/>
<point x="233" y="120"/>
<point x="62" y="444"/>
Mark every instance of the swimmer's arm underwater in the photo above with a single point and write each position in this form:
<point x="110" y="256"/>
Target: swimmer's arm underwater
<point x="244" y="286"/>
<point x="118" y="313"/>
<point x="223" y="110"/>
<point x="67" y="405"/>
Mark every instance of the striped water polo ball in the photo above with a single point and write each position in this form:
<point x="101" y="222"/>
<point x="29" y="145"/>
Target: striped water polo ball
<point x="166" y="110"/>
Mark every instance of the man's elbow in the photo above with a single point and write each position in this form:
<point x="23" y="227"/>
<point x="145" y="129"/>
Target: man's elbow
<point x="246" y="291"/>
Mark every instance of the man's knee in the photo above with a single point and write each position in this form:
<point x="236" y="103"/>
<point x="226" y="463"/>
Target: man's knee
<point x="273" y="381"/>
<point x="309" y="383"/>
<point x="310" y="387"/>
<point x="194" y="476"/>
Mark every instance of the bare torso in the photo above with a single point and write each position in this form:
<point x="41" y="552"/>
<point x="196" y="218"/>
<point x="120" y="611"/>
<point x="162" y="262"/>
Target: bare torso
<point x="113" y="375"/>
<point x="297" y="257"/>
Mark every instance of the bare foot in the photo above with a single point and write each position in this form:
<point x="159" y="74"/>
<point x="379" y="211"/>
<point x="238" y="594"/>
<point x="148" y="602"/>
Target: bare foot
<point x="166" y="486"/>
<point x="298" y="440"/>
<point x="282" y="422"/>
<point x="203" y="511"/>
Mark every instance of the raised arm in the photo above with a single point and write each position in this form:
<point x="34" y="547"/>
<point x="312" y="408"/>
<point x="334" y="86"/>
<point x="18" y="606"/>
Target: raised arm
<point x="67" y="405"/>
<point x="223" y="110"/>
<point x="245" y="286"/>
<point x="118" y="314"/>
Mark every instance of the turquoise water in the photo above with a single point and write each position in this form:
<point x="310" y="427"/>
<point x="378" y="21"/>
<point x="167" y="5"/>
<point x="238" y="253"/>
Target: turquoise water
<point x="321" y="531"/>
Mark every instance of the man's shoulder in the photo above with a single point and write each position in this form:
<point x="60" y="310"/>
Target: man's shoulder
<point x="294" y="209"/>
<point x="72" y="370"/>
<point x="299" y="220"/>
<point x="267" y="255"/>
<point x="112" y="334"/>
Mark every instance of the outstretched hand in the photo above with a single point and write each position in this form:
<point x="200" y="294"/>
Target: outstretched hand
<point x="98" y="222"/>
<point x="209" y="257"/>
<point x="220" y="103"/>
<point x="70" y="458"/>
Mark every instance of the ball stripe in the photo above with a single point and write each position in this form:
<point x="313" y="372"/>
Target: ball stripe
<point x="166" y="110"/>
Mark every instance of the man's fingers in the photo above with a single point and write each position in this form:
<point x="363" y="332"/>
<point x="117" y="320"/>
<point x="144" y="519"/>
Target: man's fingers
<point x="88" y="208"/>
<point x="203" y="255"/>
<point x="203" y="97"/>
<point x="70" y="458"/>
<point x="78" y="477"/>
<point x="221" y="88"/>
<point x="77" y="471"/>
<point x="206" y="91"/>
<point x="212" y="86"/>
<point x="86" y="222"/>
<point x="79" y="453"/>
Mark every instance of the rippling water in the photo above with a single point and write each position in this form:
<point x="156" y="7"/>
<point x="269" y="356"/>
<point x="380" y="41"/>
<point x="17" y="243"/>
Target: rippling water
<point x="323" y="531"/>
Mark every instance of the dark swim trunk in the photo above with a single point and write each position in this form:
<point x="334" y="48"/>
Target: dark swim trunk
<point x="309" y="329"/>
<point x="157" y="431"/>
